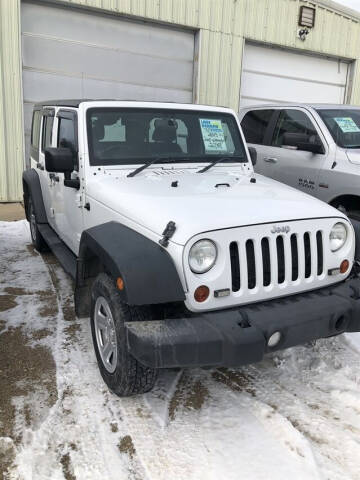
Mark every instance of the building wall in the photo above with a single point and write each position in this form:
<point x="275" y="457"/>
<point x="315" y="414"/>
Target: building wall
<point x="223" y="25"/>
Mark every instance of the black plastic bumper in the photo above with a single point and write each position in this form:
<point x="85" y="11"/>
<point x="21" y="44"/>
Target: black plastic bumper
<point x="239" y="336"/>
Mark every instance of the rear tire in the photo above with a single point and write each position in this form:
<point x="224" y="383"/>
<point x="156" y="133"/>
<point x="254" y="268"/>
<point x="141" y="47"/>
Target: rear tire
<point x="36" y="237"/>
<point x="121" y="372"/>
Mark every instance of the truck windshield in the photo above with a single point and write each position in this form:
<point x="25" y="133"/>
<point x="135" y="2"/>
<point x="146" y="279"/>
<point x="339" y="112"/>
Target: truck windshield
<point x="344" y="126"/>
<point x="120" y="136"/>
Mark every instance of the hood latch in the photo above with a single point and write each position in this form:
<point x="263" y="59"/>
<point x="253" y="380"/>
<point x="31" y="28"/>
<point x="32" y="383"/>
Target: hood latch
<point x="167" y="234"/>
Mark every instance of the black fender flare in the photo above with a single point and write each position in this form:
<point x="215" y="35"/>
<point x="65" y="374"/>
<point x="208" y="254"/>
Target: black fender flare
<point x="32" y="188"/>
<point x="356" y="225"/>
<point x="146" y="268"/>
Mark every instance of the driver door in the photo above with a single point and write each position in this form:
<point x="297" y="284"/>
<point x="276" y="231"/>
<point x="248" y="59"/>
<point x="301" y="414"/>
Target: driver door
<point x="286" y="162"/>
<point x="66" y="201"/>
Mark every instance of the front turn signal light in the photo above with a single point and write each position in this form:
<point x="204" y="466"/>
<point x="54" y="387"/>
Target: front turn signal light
<point x="344" y="266"/>
<point x="120" y="283"/>
<point x="201" y="293"/>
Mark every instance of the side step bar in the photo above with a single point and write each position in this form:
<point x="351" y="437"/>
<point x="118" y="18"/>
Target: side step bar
<point x="65" y="256"/>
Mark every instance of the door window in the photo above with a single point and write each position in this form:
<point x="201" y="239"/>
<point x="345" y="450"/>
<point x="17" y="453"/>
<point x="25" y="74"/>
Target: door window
<point x="35" y="130"/>
<point x="66" y="134"/>
<point x="298" y="125"/>
<point x="254" y="125"/>
<point x="48" y="123"/>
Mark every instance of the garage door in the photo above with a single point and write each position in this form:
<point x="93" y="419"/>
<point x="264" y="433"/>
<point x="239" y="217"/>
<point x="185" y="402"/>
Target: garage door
<point x="68" y="53"/>
<point x="273" y="75"/>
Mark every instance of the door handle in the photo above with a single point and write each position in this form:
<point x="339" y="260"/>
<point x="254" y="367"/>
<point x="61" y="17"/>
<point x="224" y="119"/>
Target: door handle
<point x="40" y="166"/>
<point x="270" y="160"/>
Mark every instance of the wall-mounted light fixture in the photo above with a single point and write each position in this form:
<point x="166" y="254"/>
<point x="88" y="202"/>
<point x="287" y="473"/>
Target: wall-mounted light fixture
<point x="307" y="17"/>
<point x="303" y="33"/>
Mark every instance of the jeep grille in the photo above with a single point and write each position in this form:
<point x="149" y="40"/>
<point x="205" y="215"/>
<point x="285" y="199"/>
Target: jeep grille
<point x="262" y="262"/>
<point x="265" y="261"/>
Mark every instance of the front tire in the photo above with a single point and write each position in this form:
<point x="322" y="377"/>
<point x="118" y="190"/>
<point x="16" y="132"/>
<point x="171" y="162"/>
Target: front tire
<point x="36" y="237"/>
<point x="121" y="372"/>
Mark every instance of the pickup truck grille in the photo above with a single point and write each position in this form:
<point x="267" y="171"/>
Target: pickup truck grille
<point x="275" y="260"/>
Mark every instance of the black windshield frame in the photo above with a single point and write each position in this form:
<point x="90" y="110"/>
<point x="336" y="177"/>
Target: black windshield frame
<point x="350" y="140"/>
<point x="240" y="150"/>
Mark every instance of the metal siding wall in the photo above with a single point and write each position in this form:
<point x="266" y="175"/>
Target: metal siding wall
<point x="11" y="133"/>
<point x="223" y="25"/>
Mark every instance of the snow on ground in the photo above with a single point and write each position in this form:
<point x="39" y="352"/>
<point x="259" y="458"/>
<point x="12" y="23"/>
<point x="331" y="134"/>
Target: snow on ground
<point x="295" y="415"/>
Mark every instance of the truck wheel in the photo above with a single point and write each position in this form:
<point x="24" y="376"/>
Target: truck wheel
<point x="122" y="373"/>
<point x="36" y="237"/>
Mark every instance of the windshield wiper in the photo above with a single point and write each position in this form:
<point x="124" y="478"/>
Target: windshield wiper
<point x="154" y="160"/>
<point x="221" y="159"/>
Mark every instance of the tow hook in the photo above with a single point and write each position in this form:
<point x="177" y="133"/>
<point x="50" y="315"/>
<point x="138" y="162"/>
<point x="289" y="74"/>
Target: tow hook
<point x="167" y="234"/>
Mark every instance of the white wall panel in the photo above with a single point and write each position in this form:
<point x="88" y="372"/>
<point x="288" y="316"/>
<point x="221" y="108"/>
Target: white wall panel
<point x="79" y="54"/>
<point x="275" y="75"/>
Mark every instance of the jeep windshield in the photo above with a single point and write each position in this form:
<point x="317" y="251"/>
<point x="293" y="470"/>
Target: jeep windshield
<point x="344" y="126"/>
<point x="128" y="136"/>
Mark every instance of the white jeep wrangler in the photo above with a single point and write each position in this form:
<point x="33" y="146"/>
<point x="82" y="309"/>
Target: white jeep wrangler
<point x="181" y="255"/>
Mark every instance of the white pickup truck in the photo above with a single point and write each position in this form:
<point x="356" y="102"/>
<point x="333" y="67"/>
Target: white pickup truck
<point x="181" y="255"/>
<point x="315" y="148"/>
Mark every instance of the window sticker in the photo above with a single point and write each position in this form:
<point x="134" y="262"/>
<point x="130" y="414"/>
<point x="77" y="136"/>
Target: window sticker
<point x="213" y="135"/>
<point x="347" y="124"/>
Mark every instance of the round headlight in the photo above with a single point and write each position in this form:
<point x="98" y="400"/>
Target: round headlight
<point x="202" y="256"/>
<point x="338" y="236"/>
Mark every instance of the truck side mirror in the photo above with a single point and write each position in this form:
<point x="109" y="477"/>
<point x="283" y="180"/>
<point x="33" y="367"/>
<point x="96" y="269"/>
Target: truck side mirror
<point x="59" y="160"/>
<point x="253" y="155"/>
<point x="302" y="142"/>
<point x="310" y="147"/>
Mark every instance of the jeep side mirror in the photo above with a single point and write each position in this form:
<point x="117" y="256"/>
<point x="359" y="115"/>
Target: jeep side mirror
<point x="62" y="160"/>
<point x="253" y="155"/>
<point x="59" y="160"/>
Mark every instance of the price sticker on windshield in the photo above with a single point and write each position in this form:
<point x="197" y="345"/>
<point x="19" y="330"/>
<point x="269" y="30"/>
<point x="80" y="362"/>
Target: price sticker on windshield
<point x="347" y="124"/>
<point x="213" y="135"/>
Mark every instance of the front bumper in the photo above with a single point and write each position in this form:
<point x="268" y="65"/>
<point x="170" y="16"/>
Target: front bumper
<point x="239" y="336"/>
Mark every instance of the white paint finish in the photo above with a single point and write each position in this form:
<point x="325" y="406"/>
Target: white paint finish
<point x="197" y="205"/>
<point x="273" y="75"/>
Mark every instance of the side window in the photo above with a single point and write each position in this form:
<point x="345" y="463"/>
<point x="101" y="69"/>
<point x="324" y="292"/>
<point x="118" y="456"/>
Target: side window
<point x="47" y="129"/>
<point x="66" y="134"/>
<point x="254" y="125"/>
<point x="292" y="126"/>
<point x="35" y="129"/>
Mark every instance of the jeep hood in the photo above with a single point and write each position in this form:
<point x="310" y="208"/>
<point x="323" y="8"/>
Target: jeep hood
<point x="202" y="202"/>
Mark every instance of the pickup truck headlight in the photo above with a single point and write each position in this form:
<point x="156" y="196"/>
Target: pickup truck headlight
<point x="338" y="236"/>
<point x="202" y="256"/>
